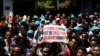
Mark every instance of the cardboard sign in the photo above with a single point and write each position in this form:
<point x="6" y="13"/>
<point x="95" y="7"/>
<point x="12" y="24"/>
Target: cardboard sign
<point x="54" y="33"/>
<point x="10" y="19"/>
<point x="10" y="13"/>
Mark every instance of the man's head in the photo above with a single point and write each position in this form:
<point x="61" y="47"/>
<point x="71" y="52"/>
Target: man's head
<point x="72" y="42"/>
<point x="89" y="54"/>
<point x="93" y="42"/>
<point x="8" y="34"/>
<point x="81" y="51"/>
<point x="96" y="50"/>
<point x="43" y="23"/>
<point x="15" y="50"/>
<point x="84" y="36"/>
<point x="45" y="51"/>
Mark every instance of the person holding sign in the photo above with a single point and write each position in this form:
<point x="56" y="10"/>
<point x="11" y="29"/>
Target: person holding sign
<point x="54" y="33"/>
<point x="39" y="31"/>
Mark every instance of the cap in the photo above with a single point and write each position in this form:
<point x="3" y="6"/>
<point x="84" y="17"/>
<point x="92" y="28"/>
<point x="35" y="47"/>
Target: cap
<point x="94" y="28"/>
<point x="30" y="31"/>
<point x="37" y="23"/>
<point x="77" y="28"/>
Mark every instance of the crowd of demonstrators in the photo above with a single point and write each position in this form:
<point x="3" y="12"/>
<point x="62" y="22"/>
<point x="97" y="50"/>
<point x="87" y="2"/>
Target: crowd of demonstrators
<point x="23" y="36"/>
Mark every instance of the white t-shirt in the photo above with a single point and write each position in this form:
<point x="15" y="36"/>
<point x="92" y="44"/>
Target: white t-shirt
<point x="88" y="49"/>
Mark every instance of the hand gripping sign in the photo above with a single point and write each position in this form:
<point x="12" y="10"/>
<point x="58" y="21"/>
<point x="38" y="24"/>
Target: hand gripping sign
<point x="54" y="33"/>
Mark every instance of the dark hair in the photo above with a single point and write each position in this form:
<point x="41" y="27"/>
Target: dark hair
<point x="49" y="50"/>
<point x="91" y="37"/>
<point x="15" y="46"/>
<point x="18" y="46"/>
<point x="96" y="31"/>
<point x="85" y="33"/>
<point x="95" y="39"/>
<point x="72" y="38"/>
<point x="89" y="53"/>
<point x="82" y="48"/>
<point x="2" y="43"/>
<point x="97" y="46"/>
<point x="19" y="40"/>
<point x="55" y="48"/>
<point x="43" y="22"/>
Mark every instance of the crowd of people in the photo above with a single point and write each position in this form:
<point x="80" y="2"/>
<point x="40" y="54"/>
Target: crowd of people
<point x="22" y="36"/>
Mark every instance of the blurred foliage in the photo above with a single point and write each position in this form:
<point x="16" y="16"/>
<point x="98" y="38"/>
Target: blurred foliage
<point x="50" y="3"/>
<point x="64" y="4"/>
<point x="45" y="3"/>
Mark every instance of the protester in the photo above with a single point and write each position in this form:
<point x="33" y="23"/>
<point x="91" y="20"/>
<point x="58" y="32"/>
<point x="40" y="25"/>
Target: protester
<point x="73" y="46"/>
<point x="24" y="36"/>
<point x="96" y="50"/>
<point x="81" y="51"/>
<point x="89" y="54"/>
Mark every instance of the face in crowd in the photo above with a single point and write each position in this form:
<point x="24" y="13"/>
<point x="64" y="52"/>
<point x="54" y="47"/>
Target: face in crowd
<point x="29" y="54"/>
<point x="84" y="36"/>
<point x="45" y="51"/>
<point x="73" y="42"/>
<point x="96" y="50"/>
<point x="8" y="35"/>
<point x="15" y="51"/>
<point x="89" y="54"/>
<point x="81" y="51"/>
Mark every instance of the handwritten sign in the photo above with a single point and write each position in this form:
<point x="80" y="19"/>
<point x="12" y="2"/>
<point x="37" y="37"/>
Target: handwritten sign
<point x="54" y="33"/>
<point x="10" y="19"/>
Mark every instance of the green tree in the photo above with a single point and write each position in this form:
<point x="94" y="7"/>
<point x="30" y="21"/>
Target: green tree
<point x="45" y="3"/>
<point x="50" y="3"/>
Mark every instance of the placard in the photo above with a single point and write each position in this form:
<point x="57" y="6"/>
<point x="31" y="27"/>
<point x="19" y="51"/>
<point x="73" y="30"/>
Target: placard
<point x="54" y="33"/>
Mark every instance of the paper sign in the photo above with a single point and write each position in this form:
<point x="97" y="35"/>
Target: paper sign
<point x="10" y="13"/>
<point x="10" y="19"/>
<point x="54" y="33"/>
